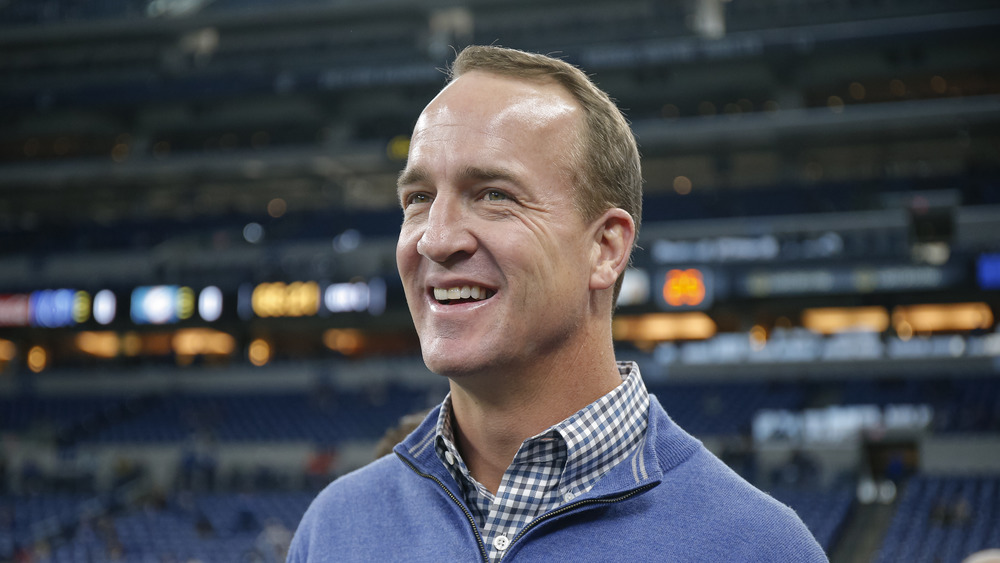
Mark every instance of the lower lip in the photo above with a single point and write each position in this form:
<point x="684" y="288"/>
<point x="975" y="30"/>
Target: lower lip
<point x="439" y="307"/>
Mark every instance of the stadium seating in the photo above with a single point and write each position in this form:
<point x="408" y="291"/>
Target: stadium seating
<point x="824" y="511"/>
<point x="944" y="518"/>
<point x="960" y="405"/>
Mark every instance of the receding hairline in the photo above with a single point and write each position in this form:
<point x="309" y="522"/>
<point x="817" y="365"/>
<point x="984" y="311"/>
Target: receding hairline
<point x="565" y="78"/>
<point x="515" y="63"/>
<point x="603" y="160"/>
<point x="418" y="175"/>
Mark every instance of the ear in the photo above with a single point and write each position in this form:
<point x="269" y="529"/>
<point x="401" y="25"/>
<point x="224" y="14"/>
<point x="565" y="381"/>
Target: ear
<point x="613" y="238"/>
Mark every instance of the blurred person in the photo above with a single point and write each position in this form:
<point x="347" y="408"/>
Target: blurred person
<point x="407" y="424"/>
<point x="521" y="201"/>
<point x="272" y="542"/>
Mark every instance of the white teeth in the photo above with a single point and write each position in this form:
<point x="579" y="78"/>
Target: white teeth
<point x="464" y="292"/>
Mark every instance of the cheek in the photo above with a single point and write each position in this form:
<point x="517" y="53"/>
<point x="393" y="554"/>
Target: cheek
<point x="406" y="249"/>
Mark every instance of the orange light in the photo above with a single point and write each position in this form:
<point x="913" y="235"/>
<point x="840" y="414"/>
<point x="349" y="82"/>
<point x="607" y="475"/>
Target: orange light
<point x="100" y="344"/>
<point x="38" y="359"/>
<point x="758" y="338"/>
<point x="832" y="320"/>
<point x="7" y="350"/>
<point x="203" y="341"/>
<point x="346" y="341"/>
<point x="944" y="317"/>
<point x="682" y="185"/>
<point x="658" y="327"/>
<point x="684" y="287"/>
<point x="259" y="352"/>
<point x="276" y="207"/>
<point x="278" y="299"/>
<point x="131" y="344"/>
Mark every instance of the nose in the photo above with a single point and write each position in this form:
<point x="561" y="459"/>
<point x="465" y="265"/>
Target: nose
<point x="446" y="233"/>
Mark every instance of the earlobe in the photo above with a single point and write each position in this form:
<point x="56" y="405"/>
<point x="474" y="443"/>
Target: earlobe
<point x="612" y="247"/>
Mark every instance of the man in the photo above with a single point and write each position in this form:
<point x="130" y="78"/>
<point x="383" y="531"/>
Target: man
<point x="521" y="201"/>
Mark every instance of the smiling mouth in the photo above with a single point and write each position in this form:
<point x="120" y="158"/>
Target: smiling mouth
<point x="463" y="294"/>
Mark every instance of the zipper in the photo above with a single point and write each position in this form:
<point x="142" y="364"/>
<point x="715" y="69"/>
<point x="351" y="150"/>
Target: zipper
<point x="572" y="506"/>
<point x="468" y="515"/>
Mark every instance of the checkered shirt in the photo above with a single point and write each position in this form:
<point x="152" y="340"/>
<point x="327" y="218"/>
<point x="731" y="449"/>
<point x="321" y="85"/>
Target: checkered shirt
<point x="553" y="467"/>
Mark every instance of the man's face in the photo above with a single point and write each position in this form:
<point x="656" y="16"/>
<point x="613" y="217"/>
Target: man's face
<point x="494" y="257"/>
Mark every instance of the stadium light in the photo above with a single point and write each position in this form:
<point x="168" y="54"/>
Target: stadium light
<point x="944" y="317"/>
<point x="658" y="327"/>
<point x="833" y="320"/>
<point x="100" y="344"/>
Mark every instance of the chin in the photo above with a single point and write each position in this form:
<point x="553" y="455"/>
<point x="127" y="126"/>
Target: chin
<point x="448" y="368"/>
<point x="456" y="364"/>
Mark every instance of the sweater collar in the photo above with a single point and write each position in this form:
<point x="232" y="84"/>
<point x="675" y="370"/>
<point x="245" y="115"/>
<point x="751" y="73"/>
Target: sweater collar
<point x="582" y="447"/>
<point x="665" y="446"/>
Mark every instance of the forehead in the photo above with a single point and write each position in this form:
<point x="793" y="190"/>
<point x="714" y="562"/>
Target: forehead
<point x="541" y="98"/>
<point x="500" y="105"/>
<point x="487" y="121"/>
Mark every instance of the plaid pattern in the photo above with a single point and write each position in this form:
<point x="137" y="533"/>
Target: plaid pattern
<point x="555" y="466"/>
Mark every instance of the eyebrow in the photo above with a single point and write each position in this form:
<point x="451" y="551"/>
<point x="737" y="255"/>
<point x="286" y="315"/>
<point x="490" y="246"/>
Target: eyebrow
<point x="477" y="173"/>
<point x="420" y="176"/>
<point x="410" y="176"/>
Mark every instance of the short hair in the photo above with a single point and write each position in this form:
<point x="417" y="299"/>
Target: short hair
<point x="608" y="173"/>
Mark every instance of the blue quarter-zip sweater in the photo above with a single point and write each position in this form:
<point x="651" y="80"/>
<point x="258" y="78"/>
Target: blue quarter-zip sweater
<point x="671" y="500"/>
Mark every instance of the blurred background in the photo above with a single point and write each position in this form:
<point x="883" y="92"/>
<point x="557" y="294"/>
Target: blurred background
<point x="201" y="323"/>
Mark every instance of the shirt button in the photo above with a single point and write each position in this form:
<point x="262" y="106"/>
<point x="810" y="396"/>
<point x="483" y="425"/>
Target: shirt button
<point x="449" y="458"/>
<point x="568" y="496"/>
<point x="501" y="542"/>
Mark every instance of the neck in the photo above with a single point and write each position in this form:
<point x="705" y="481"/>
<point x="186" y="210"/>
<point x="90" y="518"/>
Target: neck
<point x="494" y="413"/>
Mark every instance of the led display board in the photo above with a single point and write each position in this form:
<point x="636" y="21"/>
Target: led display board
<point x="988" y="271"/>
<point x="279" y="299"/>
<point x="685" y="289"/>
<point x="355" y="297"/>
<point x="161" y="304"/>
<point x="15" y="310"/>
<point x="52" y="308"/>
<point x="210" y="303"/>
<point x="105" y="306"/>
<point x="775" y="282"/>
<point x="308" y="298"/>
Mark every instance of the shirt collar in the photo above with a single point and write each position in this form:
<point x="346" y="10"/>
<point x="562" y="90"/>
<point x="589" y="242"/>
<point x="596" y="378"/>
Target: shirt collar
<point x="595" y="438"/>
